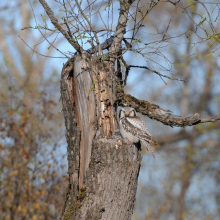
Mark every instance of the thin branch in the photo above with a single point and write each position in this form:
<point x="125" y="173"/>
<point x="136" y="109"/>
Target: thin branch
<point x="210" y="119"/>
<point x="68" y="28"/>
<point x="154" y="71"/>
<point x="139" y="23"/>
<point x="66" y="21"/>
<point x="210" y="19"/>
<point x="126" y="71"/>
<point x="44" y="35"/>
<point x="85" y="17"/>
<point x="56" y="23"/>
<point x="173" y="3"/>
<point x="66" y="57"/>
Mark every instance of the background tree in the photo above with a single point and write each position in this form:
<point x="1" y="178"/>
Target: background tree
<point x="33" y="176"/>
<point x="189" y="154"/>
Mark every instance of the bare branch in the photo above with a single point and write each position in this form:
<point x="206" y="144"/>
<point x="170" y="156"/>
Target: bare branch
<point x="154" y="71"/>
<point x="51" y="44"/>
<point x="121" y="26"/>
<point x="68" y="28"/>
<point x="210" y="119"/>
<point x="85" y="17"/>
<point x="164" y="116"/>
<point x="59" y="26"/>
<point x="66" y="57"/>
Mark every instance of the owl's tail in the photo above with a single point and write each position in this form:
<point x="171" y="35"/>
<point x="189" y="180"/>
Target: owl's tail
<point x="148" y="147"/>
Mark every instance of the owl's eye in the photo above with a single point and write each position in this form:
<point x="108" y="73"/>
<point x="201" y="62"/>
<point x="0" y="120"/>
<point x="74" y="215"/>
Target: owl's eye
<point x="132" y="113"/>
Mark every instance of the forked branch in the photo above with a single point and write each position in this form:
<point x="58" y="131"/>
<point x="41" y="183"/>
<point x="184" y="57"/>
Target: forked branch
<point x="90" y="25"/>
<point x="59" y="26"/>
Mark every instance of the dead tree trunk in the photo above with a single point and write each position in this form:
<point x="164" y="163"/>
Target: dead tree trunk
<point x="103" y="171"/>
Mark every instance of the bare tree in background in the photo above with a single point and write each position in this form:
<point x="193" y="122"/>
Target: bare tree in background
<point x="187" y="186"/>
<point x="103" y="170"/>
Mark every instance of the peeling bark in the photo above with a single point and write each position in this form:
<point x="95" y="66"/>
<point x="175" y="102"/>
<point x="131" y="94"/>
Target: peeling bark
<point x="73" y="133"/>
<point x="86" y="112"/>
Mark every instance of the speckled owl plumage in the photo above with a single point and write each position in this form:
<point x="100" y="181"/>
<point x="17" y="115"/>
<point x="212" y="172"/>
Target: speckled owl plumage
<point x="134" y="129"/>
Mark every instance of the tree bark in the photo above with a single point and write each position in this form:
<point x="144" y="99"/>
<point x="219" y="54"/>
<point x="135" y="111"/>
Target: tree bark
<point x="103" y="171"/>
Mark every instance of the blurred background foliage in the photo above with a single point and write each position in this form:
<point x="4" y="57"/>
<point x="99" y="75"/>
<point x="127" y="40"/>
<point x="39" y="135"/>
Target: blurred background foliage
<point x="33" y="166"/>
<point x="184" y="183"/>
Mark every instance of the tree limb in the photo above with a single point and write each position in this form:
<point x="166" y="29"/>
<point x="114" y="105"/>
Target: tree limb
<point x="121" y="26"/>
<point x="164" y="116"/>
<point x="210" y="119"/>
<point x="51" y="44"/>
<point x="56" y="23"/>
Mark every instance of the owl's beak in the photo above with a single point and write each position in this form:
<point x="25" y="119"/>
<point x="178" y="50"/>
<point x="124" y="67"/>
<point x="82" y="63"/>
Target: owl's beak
<point x="126" y="114"/>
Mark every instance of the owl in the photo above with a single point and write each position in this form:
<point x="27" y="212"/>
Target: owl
<point x="134" y="129"/>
